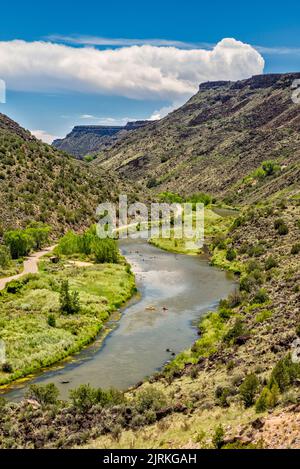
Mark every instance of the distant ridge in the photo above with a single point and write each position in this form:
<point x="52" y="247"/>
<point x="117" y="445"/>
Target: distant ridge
<point x="87" y="139"/>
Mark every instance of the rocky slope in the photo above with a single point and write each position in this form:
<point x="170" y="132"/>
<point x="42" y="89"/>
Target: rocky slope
<point x="251" y="335"/>
<point x="199" y="401"/>
<point x="88" y="139"/>
<point x="38" y="182"/>
<point x="216" y="139"/>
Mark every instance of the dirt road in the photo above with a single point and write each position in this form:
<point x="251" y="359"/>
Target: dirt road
<point x="30" y="266"/>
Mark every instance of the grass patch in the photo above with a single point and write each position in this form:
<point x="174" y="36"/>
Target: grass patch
<point x="31" y="342"/>
<point x="219" y="259"/>
<point x="214" y="225"/>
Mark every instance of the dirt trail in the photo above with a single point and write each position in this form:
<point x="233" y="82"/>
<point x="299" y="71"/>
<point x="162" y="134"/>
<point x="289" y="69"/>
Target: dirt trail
<point x="30" y="266"/>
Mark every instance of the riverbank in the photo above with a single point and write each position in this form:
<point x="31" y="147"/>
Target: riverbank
<point x="214" y="225"/>
<point x="35" y="333"/>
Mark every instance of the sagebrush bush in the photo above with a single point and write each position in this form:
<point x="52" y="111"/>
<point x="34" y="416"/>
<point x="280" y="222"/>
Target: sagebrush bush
<point x="85" y="397"/>
<point x="261" y="296"/>
<point x="270" y="263"/>
<point x="44" y="394"/>
<point x="150" y="399"/>
<point x="231" y="254"/>
<point x="235" y="331"/>
<point x="51" y="320"/>
<point x="295" y="249"/>
<point x="281" y="227"/>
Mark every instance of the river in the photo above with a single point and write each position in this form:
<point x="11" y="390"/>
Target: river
<point x="174" y="292"/>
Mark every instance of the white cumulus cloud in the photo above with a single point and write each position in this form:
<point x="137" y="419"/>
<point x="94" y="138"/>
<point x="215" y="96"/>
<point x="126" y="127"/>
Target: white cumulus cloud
<point x="44" y="136"/>
<point x="138" y="72"/>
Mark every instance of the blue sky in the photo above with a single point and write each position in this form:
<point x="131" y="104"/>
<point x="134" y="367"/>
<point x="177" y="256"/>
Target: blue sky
<point x="53" y="105"/>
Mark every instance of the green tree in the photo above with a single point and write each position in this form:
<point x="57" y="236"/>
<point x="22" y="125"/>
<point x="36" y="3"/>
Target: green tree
<point x="218" y="438"/>
<point x="19" y="242"/>
<point x="69" y="302"/>
<point x="268" y="398"/>
<point x="248" y="389"/>
<point x="68" y="244"/>
<point x="39" y="232"/>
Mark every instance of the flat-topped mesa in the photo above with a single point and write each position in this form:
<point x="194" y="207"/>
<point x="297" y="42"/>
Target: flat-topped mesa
<point x="86" y="139"/>
<point x="275" y="80"/>
<point x="95" y="129"/>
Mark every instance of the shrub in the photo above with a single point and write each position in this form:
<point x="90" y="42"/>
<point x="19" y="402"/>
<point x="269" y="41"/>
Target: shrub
<point x="51" y="320"/>
<point x="221" y="394"/>
<point x="44" y="394"/>
<point x="219" y="241"/>
<point x="252" y="266"/>
<point x="283" y="230"/>
<point x="85" y="397"/>
<point x="200" y="198"/>
<point x="5" y="257"/>
<point x="170" y="197"/>
<point x="281" y="227"/>
<point x="225" y="313"/>
<point x="194" y="372"/>
<point x="248" y="389"/>
<point x="7" y="367"/>
<point x="230" y="254"/>
<point x="68" y="244"/>
<point x="270" y="167"/>
<point x="257" y="250"/>
<point x="234" y="299"/>
<point x="152" y="182"/>
<point x="69" y="302"/>
<point x="294" y="251"/>
<point x="150" y="399"/>
<point x="268" y="398"/>
<point x="218" y="437"/>
<point x="285" y="373"/>
<point x="247" y="283"/>
<point x="263" y="315"/>
<point x="235" y="331"/>
<point x="105" y="250"/>
<point x="14" y="286"/>
<point x="261" y="296"/>
<point x="270" y="263"/>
